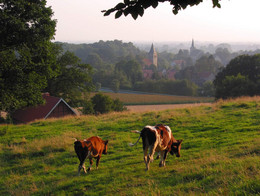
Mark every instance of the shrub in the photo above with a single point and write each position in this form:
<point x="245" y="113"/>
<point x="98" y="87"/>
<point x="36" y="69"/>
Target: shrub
<point x="100" y="104"/>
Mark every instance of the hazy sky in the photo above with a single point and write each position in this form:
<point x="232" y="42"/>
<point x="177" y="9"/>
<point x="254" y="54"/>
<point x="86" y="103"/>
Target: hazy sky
<point x="82" y="21"/>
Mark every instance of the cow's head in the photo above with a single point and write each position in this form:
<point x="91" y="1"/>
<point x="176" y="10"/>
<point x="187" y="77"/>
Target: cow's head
<point x="176" y="148"/>
<point x="105" y="147"/>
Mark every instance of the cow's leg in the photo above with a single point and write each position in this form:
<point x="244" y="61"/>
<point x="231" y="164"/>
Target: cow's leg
<point x="145" y="156"/>
<point x="151" y="154"/>
<point x="163" y="158"/>
<point x="162" y="163"/>
<point x="90" y="164"/>
<point x="158" y="156"/>
<point x="97" y="162"/>
<point x="81" y="164"/>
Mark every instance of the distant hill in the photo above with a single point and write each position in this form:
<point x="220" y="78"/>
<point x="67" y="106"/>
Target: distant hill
<point x="107" y="51"/>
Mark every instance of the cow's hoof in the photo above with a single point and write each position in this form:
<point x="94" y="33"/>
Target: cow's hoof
<point x="161" y="165"/>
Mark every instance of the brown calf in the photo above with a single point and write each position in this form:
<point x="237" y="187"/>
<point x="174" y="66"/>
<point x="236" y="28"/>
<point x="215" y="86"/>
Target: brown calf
<point x="92" y="147"/>
<point x="158" y="138"/>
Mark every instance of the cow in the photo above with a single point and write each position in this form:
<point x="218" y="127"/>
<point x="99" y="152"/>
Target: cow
<point x="158" y="138"/>
<point x="90" y="148"/>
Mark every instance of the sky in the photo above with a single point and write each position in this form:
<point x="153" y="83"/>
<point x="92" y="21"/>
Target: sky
<point x="81" y="21"/>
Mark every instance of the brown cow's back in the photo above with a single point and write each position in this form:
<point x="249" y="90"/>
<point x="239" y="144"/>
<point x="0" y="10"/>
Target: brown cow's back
<point x="97" y="145"/>
<point x="165" y="136"/>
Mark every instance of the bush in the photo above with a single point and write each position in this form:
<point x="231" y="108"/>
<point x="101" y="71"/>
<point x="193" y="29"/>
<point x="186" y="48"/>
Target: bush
<point x="100" y="104"/>
<point x="118" y="106"/>
<point x="88" y="107"/>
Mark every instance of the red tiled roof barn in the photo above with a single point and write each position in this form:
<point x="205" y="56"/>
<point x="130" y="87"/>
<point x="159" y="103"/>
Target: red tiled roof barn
<point x="54" y="107"/>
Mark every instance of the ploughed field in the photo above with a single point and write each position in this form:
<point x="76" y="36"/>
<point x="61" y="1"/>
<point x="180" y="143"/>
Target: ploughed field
<point x="220" y="153"/>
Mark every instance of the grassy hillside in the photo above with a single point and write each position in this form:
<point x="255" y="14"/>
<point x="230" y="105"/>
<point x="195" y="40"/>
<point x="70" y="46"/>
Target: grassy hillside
<point x="220" y="154"/>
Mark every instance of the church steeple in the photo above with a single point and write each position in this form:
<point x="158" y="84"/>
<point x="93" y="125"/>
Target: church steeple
<point x="192" y="44"/>
<point x="153" y="55"/>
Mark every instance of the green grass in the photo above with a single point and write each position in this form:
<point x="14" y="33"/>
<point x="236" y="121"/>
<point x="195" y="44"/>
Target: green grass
<point x="220" y="154"/>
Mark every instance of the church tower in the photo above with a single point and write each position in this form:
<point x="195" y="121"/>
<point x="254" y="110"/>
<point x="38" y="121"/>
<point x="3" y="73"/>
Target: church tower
<point x="192" y="46"/>
<point x="153" y="55"/>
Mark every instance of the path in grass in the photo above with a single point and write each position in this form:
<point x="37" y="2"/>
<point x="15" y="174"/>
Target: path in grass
<point x="147" y="108"/>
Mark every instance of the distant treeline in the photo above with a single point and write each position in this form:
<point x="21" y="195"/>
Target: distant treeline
<point x="119" y="65"/>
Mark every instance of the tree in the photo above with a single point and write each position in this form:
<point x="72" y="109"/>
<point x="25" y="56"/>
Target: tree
<point x="73" y="80"/>
<point x="207" y="90"/>
<point x="115" y="85"/>
<point x="101" y="103"/>
<point x="240" y="77"/>
<point x="132" y="69"/>
<point x="104" y="104"/>
<point x="94" y="60"/>
<point x="235" y="86"/>
<point x="26" y="52"/>
<point x="136" y="8"/>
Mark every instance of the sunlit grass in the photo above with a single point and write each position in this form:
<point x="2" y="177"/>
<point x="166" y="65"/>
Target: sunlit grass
<point x="220" y="153"/>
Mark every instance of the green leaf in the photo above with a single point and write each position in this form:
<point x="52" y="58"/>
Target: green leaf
<point x="216" y="3"/>
<point x="134" y="15"/>
<point x="120" y="6"/>
<point x="140" y="11"/>
<point x="155" y="3"/>
<point x="118" y="14"/>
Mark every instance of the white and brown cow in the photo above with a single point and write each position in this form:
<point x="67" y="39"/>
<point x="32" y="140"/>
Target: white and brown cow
<point x="92" y="147"/>
<point x="158" y="138"/>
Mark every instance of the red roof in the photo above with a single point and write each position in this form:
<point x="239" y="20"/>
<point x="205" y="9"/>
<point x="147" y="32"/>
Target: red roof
<point x="39" y="112"/>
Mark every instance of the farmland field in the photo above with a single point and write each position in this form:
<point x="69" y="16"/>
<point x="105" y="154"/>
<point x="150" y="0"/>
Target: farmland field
<point x="220" y="153"/>
<point x="151" y="99"/>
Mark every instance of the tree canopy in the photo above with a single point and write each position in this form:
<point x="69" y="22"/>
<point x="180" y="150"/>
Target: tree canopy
<point x="73" y="79"/>
<point x="26" y="52"/>
<point x="241" y="77"/>
<point x="25" y="23"/>
<point x="137" y="7"/>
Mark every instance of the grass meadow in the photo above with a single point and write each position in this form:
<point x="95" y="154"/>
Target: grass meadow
<point x="220" y="153"/>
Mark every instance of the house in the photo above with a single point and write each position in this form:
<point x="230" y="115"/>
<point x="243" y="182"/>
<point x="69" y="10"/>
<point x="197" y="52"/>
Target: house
<point x="147" y="74"/>
<point x="170" y="74"/>
<point x="54" y="107"/>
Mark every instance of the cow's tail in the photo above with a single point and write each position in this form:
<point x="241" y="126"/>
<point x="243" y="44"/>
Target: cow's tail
<point x="135" y="131"/>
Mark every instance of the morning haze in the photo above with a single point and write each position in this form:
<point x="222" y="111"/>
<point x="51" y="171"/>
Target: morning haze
<point x="82" y="21"/>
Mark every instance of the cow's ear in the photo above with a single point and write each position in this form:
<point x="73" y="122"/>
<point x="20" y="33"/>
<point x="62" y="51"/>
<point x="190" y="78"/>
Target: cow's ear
<point x="180" y="141"/>
<point x="105" y="142"/>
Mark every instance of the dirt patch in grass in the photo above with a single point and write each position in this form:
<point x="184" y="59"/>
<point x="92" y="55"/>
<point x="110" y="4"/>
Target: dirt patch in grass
<point x="147" y="108"/>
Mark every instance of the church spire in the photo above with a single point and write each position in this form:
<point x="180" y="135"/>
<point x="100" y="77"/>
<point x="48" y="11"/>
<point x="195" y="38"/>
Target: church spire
<point x="153" y="55"/>
<point x="192" y="43"/>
